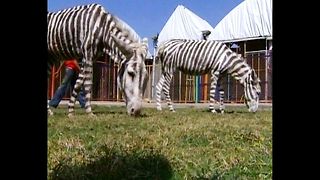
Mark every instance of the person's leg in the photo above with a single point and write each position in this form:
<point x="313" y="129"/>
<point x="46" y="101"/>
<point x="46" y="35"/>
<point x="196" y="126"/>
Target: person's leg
<point x="82" y="98"/>
<point x="61" y="91"/>
<point x="81" y="95"/>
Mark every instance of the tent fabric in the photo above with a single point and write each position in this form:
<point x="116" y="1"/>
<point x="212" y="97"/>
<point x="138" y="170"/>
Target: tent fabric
<point x="252" y="19"/>
<point x="183" y="24"/>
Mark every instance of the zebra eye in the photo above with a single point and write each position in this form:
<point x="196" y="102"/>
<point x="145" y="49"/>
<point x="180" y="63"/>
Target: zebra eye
<point x="132" y="69"/>
<point x="131" y="73"/>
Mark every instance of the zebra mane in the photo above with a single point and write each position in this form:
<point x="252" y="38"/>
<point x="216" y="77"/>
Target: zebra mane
<point x="74" y="8"/>
<point x="238" y="55"/>
<point x="252" y="72"/>
<point x="123" y="31"/>
<point x="126" y="30"/>
<point x="242" y="59"/>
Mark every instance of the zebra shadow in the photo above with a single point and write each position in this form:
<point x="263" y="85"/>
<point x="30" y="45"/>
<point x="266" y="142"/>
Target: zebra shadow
<point x="239" y="111"/>
<point x="118" y="112"/>
<point x="115" y="164"/>
<point x="106" y="112"/>
<point x="100" y="111"/>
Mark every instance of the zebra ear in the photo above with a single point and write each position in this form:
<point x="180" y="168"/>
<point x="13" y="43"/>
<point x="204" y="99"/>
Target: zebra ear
<point x="124" y="48"/>
<point x="145" y="41"/>
<point x="255" y="77"/>
<point x="144" y="46"/>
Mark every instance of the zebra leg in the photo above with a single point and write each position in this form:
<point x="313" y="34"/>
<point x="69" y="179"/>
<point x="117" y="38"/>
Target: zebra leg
<point x="158" y="92"/>
<point x="221" y="105"/>
<point x="214" y="79"/>
<point x="166" y="90"/>
<point x="88" y="86"/>
<point x="74" y="94"/>
<point x="49" y="110"/>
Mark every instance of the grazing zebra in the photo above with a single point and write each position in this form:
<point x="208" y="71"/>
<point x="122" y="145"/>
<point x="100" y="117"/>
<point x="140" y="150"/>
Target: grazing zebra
<point x="88" y="32"/>
<point x="198" y="57"/>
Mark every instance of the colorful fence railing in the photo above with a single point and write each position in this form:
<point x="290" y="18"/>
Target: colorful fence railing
<point x="184" y="88"/>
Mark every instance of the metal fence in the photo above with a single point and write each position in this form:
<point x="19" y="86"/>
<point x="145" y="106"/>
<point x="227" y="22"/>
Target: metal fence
<point x="184" y="88"/>
<point x="104" y="81"/>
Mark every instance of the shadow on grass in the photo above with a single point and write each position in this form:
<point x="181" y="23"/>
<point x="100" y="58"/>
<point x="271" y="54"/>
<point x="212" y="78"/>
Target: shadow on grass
<point x="219" y="112"/>
<point x="240" y="111"/>
<point x="102" y="112"/>
<point x="119" y="111"/>
<point x="116" y="165"/>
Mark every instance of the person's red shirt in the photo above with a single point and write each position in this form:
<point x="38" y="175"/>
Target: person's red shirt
<point x="73" y="64"/>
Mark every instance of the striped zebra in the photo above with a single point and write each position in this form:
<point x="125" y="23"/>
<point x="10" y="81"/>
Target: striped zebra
<point x="198" y="57"/>
<point x="88" y="32"/>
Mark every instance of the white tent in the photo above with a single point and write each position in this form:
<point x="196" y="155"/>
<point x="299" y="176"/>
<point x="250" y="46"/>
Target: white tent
<point x="183" y="24"/>
<point x="252" y="19"/>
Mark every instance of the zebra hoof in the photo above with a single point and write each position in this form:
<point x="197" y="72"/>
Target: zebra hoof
<point x="172" y="110"/>
<point x="220" y="111"/>
<point x="50" y="113"/>
<point x="214" y="111"/>
<point x="91" y="115"/>
<point x="70" y="115"/>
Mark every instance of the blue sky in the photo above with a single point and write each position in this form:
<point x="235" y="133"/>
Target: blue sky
<point x="147" y="17"/>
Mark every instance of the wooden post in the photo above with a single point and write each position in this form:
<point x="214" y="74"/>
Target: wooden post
<point x="245" y="51"/>
<point x="196" y="89"/>
<point x="186" y="90"/>
<point x="153" y="85"/>
<point x="266" y="73"/>
<point x="52" y="81"/>
<point x="179" y="86"/>
<point x="206" y="88"/>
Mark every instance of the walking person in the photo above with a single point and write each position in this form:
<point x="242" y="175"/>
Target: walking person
<point x="72" y="70"/>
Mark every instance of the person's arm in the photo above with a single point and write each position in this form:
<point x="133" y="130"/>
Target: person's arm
<point x="77" y="65"/>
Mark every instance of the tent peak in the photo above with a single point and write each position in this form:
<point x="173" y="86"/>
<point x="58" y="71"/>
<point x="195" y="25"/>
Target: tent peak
<point x="184" y="24"/>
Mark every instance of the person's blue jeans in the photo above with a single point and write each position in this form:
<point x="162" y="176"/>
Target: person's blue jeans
<point x="68" y="81"/>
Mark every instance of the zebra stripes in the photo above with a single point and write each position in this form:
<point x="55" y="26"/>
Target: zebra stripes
<point x="85" y="33"/>
<point x="198" y="57"/>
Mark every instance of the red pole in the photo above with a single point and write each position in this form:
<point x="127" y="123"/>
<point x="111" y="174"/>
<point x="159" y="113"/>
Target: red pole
<point x="52" y="81"/>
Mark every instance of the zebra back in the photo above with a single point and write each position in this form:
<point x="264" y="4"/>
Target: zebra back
<point x="73" y="31"/>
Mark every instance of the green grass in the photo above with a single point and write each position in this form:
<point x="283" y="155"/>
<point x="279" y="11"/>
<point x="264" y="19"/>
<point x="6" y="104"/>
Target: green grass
<point x="189" y="144"/>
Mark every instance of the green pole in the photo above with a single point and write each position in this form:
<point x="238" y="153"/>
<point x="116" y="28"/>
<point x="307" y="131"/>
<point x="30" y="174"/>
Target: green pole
<point x="196" y="89"/>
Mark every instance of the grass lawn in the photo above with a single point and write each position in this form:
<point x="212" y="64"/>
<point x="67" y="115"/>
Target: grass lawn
<point x="189" y="144"/>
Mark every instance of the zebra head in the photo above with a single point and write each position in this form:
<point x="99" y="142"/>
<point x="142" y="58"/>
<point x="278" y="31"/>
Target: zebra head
<point x="133" y="75"/>
<point x="252" y="91"/>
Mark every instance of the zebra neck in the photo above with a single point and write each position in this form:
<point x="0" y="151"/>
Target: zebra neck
<point x="241" y="77"/>
<point x="115" y="55"/>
